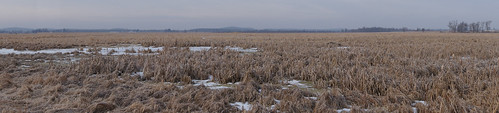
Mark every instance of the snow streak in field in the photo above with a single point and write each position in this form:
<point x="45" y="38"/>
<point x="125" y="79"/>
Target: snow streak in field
<point x="208" y="83"/>
<point x="117" y="50"/>
<point x="238" y="49"/>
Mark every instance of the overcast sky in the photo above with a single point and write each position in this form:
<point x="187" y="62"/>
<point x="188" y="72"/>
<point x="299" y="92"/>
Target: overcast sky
<point x="187" y="14"/>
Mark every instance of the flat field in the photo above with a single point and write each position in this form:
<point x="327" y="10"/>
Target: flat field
<point x="249" y="72"/>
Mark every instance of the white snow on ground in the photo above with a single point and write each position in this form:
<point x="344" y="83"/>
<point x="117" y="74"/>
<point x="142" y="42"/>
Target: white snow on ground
<point x="73" y="59"/>
<point x="414" y="109"/>
<point x="250" y="50"/>
<point x="297" y="83"/>
<point x="25" y="66"/>
<point x="201" y="48"/>
<point x="465" y="58"/>
<point x="418" y="101"/>
<point x="141" y="74"/>
<point x="208" y="83"/>
<point x="349" y="109"/>
<point x="239" y="49"/>
<point x="277" y="101"/>
<point x="312" y="98"/>
<point x="344" y="109"/>
<point x="342" y="47"/>
<point x="241" y="105"/>
<point x="118" y="50"/>
<point x="273" y="106"/>
<point x="4" y="51"/>
<point x="122" y="50"/>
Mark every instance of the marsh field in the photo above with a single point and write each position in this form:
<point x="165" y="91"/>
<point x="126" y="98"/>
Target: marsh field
<point x="249" y="72"/>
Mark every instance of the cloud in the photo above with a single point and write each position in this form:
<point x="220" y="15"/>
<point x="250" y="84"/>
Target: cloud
<point x="184" y="14"/>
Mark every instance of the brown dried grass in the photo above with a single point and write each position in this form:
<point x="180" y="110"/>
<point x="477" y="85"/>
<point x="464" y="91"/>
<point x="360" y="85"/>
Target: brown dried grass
<point x="380" y="72"/>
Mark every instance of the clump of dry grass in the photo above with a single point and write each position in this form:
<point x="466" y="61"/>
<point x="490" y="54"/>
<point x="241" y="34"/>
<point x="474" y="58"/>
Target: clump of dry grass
<point x="5" y="81"/>
<point x="102" y="108"/>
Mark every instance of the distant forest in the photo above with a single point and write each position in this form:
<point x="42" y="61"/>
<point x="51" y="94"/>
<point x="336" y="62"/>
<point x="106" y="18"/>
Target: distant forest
<point x="381" y="29"/>
<point x="475" y="27"/>
<point x="222" y="30"/>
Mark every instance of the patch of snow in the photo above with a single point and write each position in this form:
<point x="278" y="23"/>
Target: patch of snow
<point x="234" y="83"/>
<point x="277" y="101"/>
<point x="348" y="110"/>
<point x="343" y="47"/>
<point x="344" y="109"/>
<point x="241" y="105"/>
<point x="122" y="50"/>
<point x="141" y="74"/>
<point x="465" y="58"/>
<point x="418" y="101"/>
<point x="298" y="84"/>
<point x="201" y="48"/>
<point x="218" y="87"/>
<point x="312" y="98"/>
<point x="48" y="51"/>
<point x="414" y="109"/>
<point x="199" y="82"/>
<point x="272" y="107"/>
<point x="117" y="50"/>
<point x="73" y="59"/>
<point x="209" y="84"/>
<point x="176" y="84"/>
<point x="238" y="49"/>
<point x="25" y="66"/>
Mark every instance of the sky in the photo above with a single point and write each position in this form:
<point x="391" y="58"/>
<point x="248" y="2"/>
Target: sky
<point x="260" y="14"/>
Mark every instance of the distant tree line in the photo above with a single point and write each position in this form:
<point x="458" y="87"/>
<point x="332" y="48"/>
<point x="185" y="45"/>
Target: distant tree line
<point x="382" y="29"/>
<point x="44" y="30"/>
<point x="475" y="27"/>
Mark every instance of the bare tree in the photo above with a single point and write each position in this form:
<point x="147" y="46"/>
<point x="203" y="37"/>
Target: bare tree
<point x="453" y="26"/>
<point x="462" y="27"/>
<point x="474" y="27"/>
<point x="487" y="25"/>
<point x="482" y="27"/>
